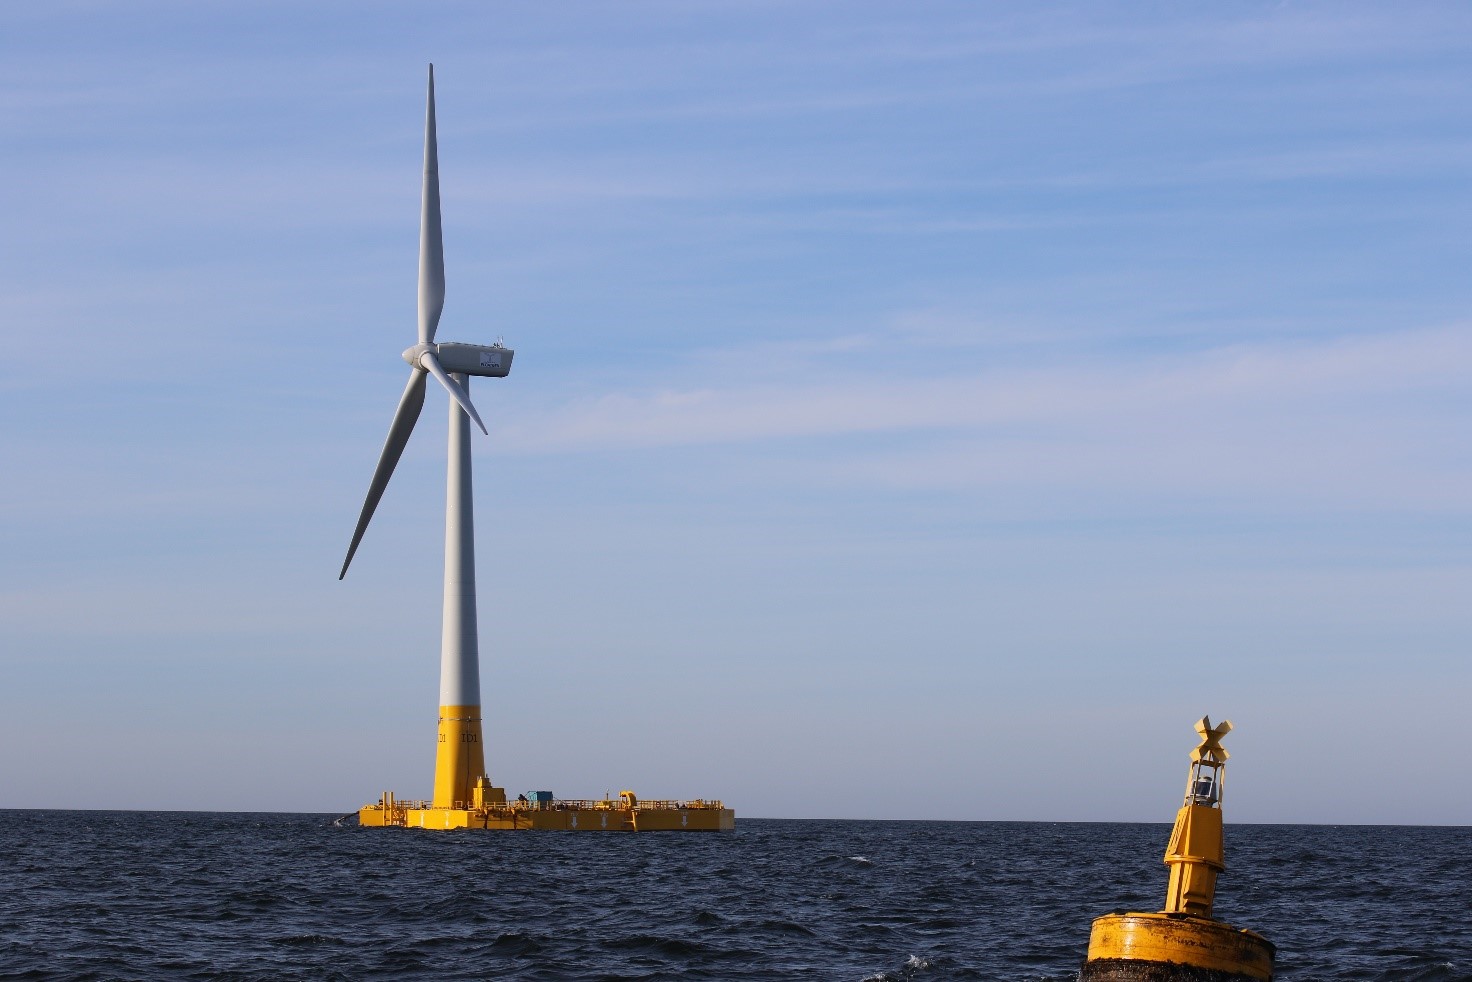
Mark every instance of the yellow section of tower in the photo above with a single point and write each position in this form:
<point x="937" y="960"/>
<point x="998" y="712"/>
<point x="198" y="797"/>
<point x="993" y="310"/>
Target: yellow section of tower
<point x="459" y="757"/>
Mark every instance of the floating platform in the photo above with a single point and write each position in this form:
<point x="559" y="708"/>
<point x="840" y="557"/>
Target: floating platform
<point x="627" y="813"/>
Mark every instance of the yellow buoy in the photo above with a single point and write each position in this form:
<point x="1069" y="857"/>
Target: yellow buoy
<point x="1183" y="943"/>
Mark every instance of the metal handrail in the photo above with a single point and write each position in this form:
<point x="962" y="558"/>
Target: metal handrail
<point x="573" y="804"/>
<point x="644" y="804"/>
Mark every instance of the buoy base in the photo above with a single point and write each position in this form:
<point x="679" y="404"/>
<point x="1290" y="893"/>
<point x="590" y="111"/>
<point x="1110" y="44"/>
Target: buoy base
<point x="1174" y="948"/>
<point x="1129" y="970"/>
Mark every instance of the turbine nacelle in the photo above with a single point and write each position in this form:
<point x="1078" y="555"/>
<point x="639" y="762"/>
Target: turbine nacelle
<point x="490" y="361"/>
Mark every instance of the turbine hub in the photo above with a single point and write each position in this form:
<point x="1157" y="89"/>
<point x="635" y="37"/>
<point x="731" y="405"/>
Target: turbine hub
<point x="412" y="355"/>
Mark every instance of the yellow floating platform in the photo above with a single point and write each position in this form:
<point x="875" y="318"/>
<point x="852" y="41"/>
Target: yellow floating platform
<point x="627" y="814"/>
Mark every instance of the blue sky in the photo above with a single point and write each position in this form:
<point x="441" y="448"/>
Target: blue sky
<point x="920" y="410"/>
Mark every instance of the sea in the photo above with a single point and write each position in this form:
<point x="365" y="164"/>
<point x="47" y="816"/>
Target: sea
<point x="174" y="895"/>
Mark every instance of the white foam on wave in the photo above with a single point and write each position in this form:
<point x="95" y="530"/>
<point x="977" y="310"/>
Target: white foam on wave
<point x="906" y="973"/>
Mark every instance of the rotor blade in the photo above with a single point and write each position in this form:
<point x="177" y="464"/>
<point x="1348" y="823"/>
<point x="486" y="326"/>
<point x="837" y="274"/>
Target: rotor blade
<point x="405" y="417"/>
<point x="432" y="364"/>
<point x="431" y="237"/>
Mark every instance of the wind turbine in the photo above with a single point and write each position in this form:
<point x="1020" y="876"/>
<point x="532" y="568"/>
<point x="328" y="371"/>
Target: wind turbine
<point x="460" y="759"/>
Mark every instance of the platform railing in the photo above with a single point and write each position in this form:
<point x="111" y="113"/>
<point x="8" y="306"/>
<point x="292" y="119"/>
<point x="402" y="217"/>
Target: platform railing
<point x="644" y="804"/>
<point x="575" y="804"/>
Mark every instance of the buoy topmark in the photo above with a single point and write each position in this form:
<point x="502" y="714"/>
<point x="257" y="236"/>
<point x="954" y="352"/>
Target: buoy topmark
<point x="1183" y="943"/>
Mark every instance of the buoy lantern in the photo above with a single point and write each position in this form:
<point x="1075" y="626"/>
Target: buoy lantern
<point x="1183" y="942"/>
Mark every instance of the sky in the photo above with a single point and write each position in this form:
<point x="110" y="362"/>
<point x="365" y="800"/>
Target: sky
<point x="920" y="410"/>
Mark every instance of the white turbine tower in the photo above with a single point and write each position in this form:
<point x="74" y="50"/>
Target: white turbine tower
<point x="460" y="760"/>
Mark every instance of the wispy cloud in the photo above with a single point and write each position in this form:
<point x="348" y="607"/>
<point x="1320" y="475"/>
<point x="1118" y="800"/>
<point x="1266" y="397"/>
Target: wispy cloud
<point x="1357" y="419"/>
<point x="1235" y="378"/>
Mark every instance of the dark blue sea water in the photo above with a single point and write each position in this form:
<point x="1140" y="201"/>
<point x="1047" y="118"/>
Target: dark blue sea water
<point x="104" y="895"/>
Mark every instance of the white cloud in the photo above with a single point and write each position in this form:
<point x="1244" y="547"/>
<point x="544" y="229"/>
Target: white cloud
<point x="1244" y="379"/>
<point x="1351" y="422"/>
